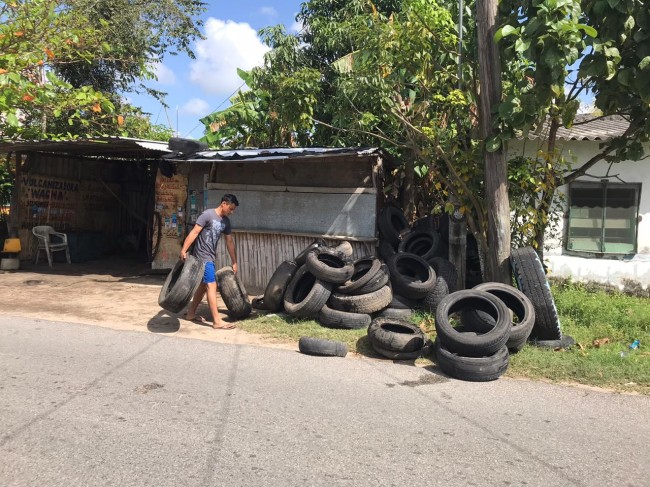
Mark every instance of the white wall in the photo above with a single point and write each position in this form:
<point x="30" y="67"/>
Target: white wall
<point x="605" y="269"/>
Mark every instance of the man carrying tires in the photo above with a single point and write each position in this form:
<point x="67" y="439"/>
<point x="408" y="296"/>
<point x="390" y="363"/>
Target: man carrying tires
<point x="210" y="225"/>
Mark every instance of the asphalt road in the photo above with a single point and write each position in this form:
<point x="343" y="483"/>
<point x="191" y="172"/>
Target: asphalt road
<point x="84" y="405"/>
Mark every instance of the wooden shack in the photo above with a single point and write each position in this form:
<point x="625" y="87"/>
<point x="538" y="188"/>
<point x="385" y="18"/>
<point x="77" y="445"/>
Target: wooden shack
<point x="99" y="191"/>
<point x="288" y="197"/>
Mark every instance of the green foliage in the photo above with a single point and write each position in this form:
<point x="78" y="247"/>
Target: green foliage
<point x="553" y="51"/>
<point x="35" y="37"/>
<point x="138" y="33"/>
<point x="6" y="185"/>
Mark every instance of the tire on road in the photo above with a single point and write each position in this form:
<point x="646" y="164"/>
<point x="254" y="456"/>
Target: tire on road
<point x="181" y="284"/>
<point x="321" y="347"/>
<point x="396" y="335"/>
<point x="475" y="369"/>
<point x="467" y="344"/>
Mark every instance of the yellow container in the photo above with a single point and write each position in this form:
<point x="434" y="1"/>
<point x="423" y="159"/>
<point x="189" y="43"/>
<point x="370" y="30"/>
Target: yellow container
<point x="12" y="245"/>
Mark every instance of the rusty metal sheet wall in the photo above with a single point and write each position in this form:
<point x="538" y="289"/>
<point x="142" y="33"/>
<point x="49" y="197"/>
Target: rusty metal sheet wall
<point x="259" y="255"/>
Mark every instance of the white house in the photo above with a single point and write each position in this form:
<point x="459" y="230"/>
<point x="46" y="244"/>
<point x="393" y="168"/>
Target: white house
<point x="605" y="229"/>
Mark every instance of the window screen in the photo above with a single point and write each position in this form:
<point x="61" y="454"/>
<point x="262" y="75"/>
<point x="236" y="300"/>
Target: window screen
<point x="603" y="217"/>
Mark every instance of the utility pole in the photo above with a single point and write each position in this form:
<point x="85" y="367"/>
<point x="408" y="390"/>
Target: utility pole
<point x="496" y="175"/>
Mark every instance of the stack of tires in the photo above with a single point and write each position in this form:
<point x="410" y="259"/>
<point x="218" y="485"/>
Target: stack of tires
<point x="493" y="320"/>
<point x="421" y="274"/>
<point x="397" y="339"/>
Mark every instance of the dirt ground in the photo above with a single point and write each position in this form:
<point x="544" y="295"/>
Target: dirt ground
<point x="115" y="293"/>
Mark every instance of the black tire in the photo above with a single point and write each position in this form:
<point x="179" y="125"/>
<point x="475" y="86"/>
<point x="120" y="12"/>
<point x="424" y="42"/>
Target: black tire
<point x="323" y="348"/>
<point x="233" y="293"/>
<point x="475" y="369"/>
<point x="398" y="355"/>
<point x="379" y="280"/>
<point x="329" y="265"/>
<point x="424" y="223"/>
<point x="396" y="335"/>
<point x="411" y="275"/>
<point x="424" y="243"/>
<point x="275" y="289"/>
<point x="306" y="295"/>
<point x="333" y="318"/>
<point x="446" y="279"/>
<point x="386" y="250"/>
<point x="365" y="269"/>
<point x="516" y="301"/>
<point x="258" y="303"/>
<point x="181" y="284"/>
<point x="363" y="303"/>
<point x="402" y="302"/>
<point x="467" y="344"/>
<point x="391" y="223"/>
<point x="531" y="280"/>
<point x="566" y="341"/>
<point x="301" y="258"/>
<point x="345" y="248"/>
<point x="404" y="314"/>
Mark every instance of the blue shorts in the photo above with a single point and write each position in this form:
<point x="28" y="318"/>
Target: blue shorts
<point x="208" y="273"/>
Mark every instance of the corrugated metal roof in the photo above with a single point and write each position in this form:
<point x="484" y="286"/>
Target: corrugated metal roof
<point x="270" y="154"/>
<point x="587" y="127"/>
<point x="118" y="147"/>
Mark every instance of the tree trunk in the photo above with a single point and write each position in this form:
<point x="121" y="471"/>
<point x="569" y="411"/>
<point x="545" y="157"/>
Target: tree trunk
<point x="14" y="205"/>
<point x="496" y="176"/>
<point x="407" y="188"/>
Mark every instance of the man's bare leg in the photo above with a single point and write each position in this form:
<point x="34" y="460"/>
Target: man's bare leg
<point x="196" y="300"/>
<point x="217" y="322"/>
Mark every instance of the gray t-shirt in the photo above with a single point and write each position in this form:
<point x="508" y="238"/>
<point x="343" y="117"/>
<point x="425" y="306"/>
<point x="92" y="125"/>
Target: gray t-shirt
<point x="205" y="245"/>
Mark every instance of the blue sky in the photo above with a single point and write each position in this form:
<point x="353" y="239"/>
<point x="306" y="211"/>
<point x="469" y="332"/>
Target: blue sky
<point x="197" y="87"/>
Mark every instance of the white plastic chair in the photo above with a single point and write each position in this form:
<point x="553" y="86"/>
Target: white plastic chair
<point x="43" y="234"/>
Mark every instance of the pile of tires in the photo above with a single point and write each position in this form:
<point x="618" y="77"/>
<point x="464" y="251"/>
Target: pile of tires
<point x="397" y="339"/>
<point x="493" y="320"/>
<point x="408" y="251"/>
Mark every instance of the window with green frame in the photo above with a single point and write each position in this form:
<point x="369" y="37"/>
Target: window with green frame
<point x="603" y="217"/>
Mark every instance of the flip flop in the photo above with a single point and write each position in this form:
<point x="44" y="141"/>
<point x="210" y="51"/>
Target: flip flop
<point x="226" y="326"/>
<point x="199" y="320"/>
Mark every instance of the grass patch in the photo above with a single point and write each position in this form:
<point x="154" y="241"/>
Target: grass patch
<point x="590" y="316"/>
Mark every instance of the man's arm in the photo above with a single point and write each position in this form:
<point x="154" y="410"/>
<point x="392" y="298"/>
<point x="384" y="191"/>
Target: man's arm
<point x="189" y="240"/>
<point x="230" y="245"/>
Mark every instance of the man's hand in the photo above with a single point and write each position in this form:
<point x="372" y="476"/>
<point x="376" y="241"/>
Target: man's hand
<point x="183" y="254"/>
<point x="234" y="267"/>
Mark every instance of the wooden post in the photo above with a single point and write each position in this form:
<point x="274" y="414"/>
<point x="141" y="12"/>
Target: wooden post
<point x="496" y="176"/>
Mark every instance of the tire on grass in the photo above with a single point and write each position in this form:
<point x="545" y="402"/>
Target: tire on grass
<point x="531" y="280"/>
<point x="306" y="295"/>
<point x="277" y="285"/>
<point x="333" y="318"/>
<point x="233" y="293"/>
<point x="517" y="303"/>
<point x="411" y="275"/>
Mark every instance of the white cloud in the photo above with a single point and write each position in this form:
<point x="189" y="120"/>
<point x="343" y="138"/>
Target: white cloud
<point x="228" y="45"/>
<point x="295" y="27"/>
<point x="165" y="75"/>
<point x="195" y="106"/>
<point x="270" y="12"/>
